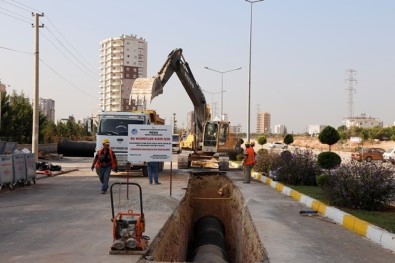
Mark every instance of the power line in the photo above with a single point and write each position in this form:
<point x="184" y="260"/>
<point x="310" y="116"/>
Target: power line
<point x="29" y="22"/>
<point x="76" y="58"/>
<point x="19" y="51"/>
<point x="16" y="5"/>
<point x="15" y="13"/>
<point x="64" y="38"/>
<point x="88" y="68"/>
<point x="65" y="79"/>
<point x="31" y="8"/>
<point x="71" y="61"/>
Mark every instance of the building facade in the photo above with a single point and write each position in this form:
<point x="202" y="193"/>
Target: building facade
<point x="279" y="129"/>
<point x="314" y="129"/>
<point x="263" y="122"/>
<point x="236" y="128"/>
<point x="122" y="60"/>
<point x="363" y="121"/>
<point x="47" y="107"/>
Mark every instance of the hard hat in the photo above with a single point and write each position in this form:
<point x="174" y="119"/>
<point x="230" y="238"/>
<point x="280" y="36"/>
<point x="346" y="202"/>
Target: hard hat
<point x="106" y="141"/>
<point x="247" y="144"/>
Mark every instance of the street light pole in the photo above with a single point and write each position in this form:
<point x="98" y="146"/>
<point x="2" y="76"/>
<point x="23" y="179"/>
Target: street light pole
<point x="222" y="84"/>
<point x="249" y="73"/>
<point x="213" y="110"/>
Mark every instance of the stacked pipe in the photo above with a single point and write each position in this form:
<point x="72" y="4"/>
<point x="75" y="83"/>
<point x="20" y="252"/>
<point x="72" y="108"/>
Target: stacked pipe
<point x="209" y="241"/>
<point x="77" y="148"/>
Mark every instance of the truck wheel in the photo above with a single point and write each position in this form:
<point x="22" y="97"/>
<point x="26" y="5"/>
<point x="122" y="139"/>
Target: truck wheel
<point x="145" y="171"/>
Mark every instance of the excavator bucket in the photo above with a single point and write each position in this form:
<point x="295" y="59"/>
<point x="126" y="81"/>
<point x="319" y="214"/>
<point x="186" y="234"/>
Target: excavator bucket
<point x="145" y="89"/>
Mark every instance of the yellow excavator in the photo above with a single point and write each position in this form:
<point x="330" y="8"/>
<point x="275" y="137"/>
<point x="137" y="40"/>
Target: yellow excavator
<point x="209" y="143"/>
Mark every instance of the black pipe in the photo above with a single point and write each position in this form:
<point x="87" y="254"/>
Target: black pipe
<point x="77" y="149"/>
<point x="209" y="241"/>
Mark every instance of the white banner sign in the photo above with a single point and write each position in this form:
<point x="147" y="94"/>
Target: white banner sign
<point x="356" y="139"/>
<point x="149" y="143"/>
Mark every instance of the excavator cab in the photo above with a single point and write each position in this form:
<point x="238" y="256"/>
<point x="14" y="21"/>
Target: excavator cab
<point x="216" y="137"/>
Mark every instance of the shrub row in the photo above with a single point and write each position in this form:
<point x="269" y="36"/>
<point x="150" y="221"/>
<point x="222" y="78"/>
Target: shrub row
<point x="357" y="185"/>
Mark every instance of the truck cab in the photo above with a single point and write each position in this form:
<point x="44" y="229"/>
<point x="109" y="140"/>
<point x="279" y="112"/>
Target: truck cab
<point x="114" y="127"/>
<point x="176" y="143"/>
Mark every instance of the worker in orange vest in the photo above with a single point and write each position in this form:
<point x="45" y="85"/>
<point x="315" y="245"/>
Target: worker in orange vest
<point x="248" y="162"/>
<point x="104" y="161"/>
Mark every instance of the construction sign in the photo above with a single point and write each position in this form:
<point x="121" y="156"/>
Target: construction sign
<point x="149" y="143"/>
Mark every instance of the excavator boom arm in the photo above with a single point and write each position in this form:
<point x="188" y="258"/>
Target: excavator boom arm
<point x="176" y="63"/>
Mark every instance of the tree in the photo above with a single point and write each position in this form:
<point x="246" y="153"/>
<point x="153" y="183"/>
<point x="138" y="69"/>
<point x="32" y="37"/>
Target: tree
<point x="288" y="139"/>
<point x="328" y="160"/>
<point x="343" y="132"/>
<point x="19" y="118"/>
<point x="329" y="135"/>
<point x="262" y="140"/>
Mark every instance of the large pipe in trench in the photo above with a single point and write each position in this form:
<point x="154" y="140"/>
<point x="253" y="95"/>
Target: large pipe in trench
<point x="209" y="241"/>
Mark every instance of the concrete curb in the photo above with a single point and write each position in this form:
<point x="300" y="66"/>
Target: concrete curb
<point x="350" y="222"/>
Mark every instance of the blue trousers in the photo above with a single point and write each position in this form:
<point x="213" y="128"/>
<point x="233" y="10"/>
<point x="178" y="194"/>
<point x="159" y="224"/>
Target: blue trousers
<point x="153" y="172"/>
<point x="104" y="176"/>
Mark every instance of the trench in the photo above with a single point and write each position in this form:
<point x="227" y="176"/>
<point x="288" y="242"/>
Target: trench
<point x="211" y="201"/>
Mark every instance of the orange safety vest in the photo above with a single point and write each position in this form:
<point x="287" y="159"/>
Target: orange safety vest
<point x="250" y="156"/>
<point x="111" y="153"/>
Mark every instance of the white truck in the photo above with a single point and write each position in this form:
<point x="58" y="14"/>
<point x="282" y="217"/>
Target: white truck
<point x="114" y="127"/>
<point x="176" y="144"/>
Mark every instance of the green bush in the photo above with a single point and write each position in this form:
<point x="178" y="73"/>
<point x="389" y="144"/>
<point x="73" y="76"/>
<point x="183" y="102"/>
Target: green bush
<point x="262" y="140"/>
<point x="266" y="161"/>
<point x="262" y="151"/>
<point x="299" y="168"/>
<point x="328" y="160"/>
<point x="358" y="185"/>
<point x="322" y="180"/>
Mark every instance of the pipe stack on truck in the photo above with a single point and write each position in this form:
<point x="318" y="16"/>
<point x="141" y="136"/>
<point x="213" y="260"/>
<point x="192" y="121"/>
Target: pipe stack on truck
<point x="114" y="127"/>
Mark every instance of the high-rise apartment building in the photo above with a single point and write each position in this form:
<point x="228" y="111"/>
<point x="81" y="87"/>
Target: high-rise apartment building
<point x="279" y="129"/>
<point x="47" y="107"/>
<point x="263" y="121"/>
<point x="122" y="60"/>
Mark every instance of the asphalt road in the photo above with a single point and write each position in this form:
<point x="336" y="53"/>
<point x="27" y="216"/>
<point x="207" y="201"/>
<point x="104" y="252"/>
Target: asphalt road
<point x="66" y="219"/>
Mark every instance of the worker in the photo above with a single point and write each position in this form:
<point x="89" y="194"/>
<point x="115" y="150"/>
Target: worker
<point x="104" y="161"/>
<point x="248" y="162"/>
<point x="252" y="144"/>
<point x="153" y="172"/>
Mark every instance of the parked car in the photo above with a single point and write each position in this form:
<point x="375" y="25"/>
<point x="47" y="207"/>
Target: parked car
<point x="389" y="155"/>
<point x="368" y="154"/>
<point x="278" y="145"/>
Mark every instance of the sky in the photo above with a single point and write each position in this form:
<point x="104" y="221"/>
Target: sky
<point x="300" y="53"/>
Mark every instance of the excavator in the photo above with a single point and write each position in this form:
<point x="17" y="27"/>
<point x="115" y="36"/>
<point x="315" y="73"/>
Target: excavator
<point x="209" y="144"/>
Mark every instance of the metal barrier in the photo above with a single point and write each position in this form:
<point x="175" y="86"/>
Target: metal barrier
<point x="6" y="171"/>
<point x="19" y="165"/>
<point x="30" y="162"/>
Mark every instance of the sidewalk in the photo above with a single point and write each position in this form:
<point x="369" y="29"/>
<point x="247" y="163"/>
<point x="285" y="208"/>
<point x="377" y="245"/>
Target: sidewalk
<point x="350" y="222"/>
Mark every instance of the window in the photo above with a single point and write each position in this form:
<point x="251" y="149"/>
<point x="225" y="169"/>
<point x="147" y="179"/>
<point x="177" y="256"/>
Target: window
<point x="210" y="133"/>
<point x="223" y="133"/>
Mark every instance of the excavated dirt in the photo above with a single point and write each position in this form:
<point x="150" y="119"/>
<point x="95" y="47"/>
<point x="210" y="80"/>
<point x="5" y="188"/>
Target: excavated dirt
<point x="214" y="195"/>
